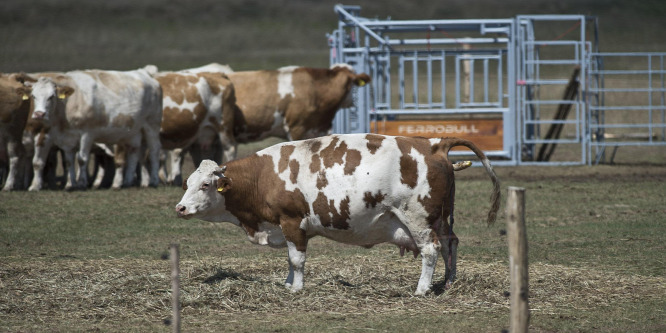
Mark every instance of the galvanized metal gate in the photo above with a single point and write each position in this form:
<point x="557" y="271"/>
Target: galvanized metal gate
<point x="517" y="87"/>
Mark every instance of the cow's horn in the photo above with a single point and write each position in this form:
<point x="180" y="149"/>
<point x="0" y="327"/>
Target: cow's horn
<point x="220" y="170"/>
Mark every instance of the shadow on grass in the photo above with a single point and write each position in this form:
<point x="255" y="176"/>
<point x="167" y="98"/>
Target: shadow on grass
<point x="223" y="274"/>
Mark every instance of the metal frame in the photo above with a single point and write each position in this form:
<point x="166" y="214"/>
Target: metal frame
<point x="411" y="63"/>
<point x="628" y="74"/>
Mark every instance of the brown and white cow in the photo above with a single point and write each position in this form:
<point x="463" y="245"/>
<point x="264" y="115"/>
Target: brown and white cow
<point x="292" y="103"/>
<point x="360" y="189"/>
<point x="111" y="107"/>
<point x="14" y="110"/>
<point x="196" y="107"/>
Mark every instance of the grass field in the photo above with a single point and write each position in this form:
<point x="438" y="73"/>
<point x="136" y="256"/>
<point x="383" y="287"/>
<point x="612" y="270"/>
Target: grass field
<point x="92" y="261"/>
<point x="86" y="261"/>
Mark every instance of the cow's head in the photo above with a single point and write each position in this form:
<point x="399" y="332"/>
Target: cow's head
<point x="14" y="92"/>
<point x="204" y="192"/>
<point x="352" y="79"/>
<point x="45" y="94"/>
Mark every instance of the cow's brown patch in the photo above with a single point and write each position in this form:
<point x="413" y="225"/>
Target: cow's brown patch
<point x="322" y="181"/>
<point x="123" y="121"/>
<point x="293" y="166"/>
<point x="329" y="215"/>
<point x="374" y="142"/>
<point x="334" y="154"/>
<point x="372" y="200"/>
<point x="408" y="165"/>
<point x="285" y="152"/>
<point x="315" y="163"/>
<point x="271" y="204"/>
<point x="315" y="145"/>
<point x="352" y="160"/>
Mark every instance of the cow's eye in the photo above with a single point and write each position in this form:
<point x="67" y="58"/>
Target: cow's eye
<point x="204" y="186"/>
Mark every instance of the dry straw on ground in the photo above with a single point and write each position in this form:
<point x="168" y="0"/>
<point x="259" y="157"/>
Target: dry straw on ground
<point x="139" y="289"/>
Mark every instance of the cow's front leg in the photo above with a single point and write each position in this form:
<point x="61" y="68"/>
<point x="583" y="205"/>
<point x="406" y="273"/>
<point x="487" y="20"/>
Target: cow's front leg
<point x="429" y="254"/>
<point x="83" y="156"/>
<point x="71" y="169"/>
<point x="297" y="243"/>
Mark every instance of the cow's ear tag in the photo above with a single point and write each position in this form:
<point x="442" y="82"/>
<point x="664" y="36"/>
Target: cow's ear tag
<point x="221" y="189"/>
<point x="361" y="83"/>
<point x="62" y="96"/>
<point x="26" y="97"/>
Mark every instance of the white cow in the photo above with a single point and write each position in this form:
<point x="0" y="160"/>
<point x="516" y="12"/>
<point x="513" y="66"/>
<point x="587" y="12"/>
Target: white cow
<point x="111" y="107"/>
<point x="360" y="189"/>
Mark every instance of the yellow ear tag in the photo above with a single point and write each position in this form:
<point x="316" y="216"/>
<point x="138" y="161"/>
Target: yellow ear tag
<point x="220" y="189"/>
<point x="361" y="83"/>
<point x="62" y="96"/>
<point x="26" y="97"/>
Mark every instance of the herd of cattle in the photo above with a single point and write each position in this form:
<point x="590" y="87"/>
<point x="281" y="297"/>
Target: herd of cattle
<point x="144" y="117"/>
<point x="360" y="189"/>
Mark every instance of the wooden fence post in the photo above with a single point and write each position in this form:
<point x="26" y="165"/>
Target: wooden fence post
<point x="517" y="238"/>
<point x="175" y="287"/>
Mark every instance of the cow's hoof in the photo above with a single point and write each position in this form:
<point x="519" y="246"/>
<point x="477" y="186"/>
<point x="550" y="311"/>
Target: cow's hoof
<point x="421" y="292"/>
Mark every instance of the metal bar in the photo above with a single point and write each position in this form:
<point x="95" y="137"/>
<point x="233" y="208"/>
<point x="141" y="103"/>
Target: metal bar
<point x="340" y="10"/>
<point x="485" y="80"/>
<point x="642" y="125"/>
<point x="471" y="80"/>
<point x="628" y="108"/>
<point x="441" y="111"/>
<point x="429" y="72"/>
<point x="443" y="79"/>
<point x="415" y="80"/>
<point x="661" y="90"/>
<point x="446" y="41"/>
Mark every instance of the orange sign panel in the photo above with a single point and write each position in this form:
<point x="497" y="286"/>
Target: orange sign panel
<point x="487" y="134"/>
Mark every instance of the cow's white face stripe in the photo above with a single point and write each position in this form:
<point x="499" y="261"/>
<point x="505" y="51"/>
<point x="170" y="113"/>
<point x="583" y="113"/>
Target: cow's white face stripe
<point x="44" y="94"/>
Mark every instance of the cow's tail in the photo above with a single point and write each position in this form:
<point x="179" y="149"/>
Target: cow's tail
<point x="447" y="143"/>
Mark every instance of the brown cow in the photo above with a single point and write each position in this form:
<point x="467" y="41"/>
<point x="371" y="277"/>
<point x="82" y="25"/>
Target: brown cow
<point x="196" y="107"/>
<point x="292" y="103"/>
<point x="14" y="111"/>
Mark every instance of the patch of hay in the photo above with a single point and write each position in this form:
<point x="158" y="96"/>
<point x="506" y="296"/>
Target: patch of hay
<point x="139" y="289"/>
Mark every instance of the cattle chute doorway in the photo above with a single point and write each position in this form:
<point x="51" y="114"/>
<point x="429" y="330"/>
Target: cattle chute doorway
<point x="435" y="78"/>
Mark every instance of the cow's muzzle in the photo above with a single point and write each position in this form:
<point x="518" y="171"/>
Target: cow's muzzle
<point x="38" y="114"/>
<point x="181" y="210"/>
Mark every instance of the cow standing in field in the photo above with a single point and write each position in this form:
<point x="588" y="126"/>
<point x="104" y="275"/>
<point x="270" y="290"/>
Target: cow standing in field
<point x="111" y="107"/>
<point x="293" y="103"/>
<point x="14" y="110"/>
<point x="196" y="107"/>
<point x="360" y="189"/>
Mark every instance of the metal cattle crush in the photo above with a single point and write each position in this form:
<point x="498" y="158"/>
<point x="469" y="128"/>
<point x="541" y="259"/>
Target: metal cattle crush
<point x="520" y="88"/>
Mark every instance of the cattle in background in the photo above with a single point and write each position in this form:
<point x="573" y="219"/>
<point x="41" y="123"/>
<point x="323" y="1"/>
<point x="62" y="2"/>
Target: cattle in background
<point x="292" y="103"/>
<point x="360" y="189"/>
<point x="213" y="67"/>
<point x="111" y="107"/>
<point x="14" y="111"/>
<point x="197" y="107"/>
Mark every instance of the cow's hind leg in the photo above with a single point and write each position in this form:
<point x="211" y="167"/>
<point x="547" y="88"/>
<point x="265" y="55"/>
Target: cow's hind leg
<point x="429" y="254"/>
<point x="449" y="254"/>
<point x="297" y="243"/>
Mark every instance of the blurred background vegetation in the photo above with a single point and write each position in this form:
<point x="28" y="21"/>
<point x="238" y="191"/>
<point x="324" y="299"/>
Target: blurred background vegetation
<point x="60" y="35"/>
